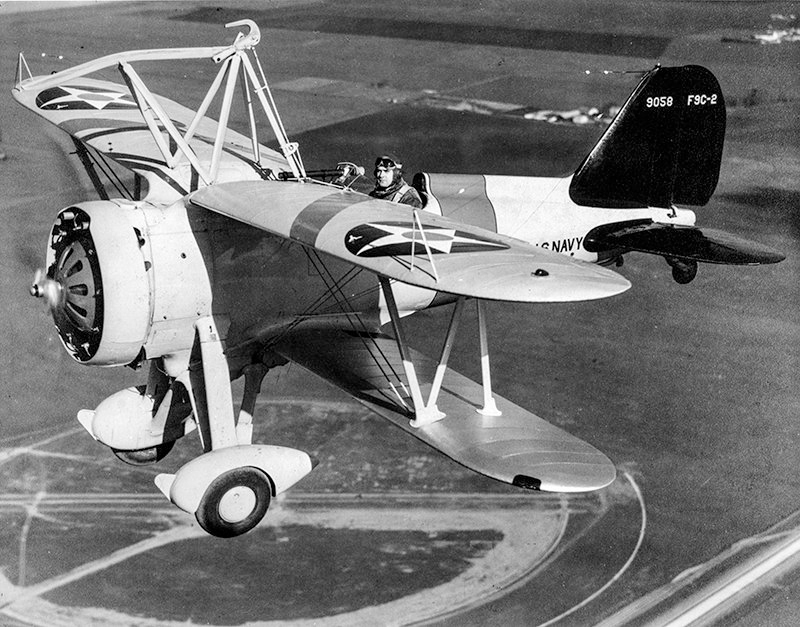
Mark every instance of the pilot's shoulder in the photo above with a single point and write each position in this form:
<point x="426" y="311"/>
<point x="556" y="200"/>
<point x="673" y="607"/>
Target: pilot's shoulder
<point x="411" y="197"/>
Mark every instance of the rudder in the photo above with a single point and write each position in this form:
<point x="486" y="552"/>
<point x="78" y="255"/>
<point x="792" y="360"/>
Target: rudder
<point x="663" y="148"/>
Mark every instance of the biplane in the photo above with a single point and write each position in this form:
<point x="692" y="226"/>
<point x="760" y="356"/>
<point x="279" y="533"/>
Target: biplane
<point x="223" y="258"/>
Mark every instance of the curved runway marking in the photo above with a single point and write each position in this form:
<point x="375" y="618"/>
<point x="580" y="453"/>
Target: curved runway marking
<point x="160" y="539"/>
<point x="524" y="544"/>
<point x="526" y="577"/>
<point x="622" y="570"/>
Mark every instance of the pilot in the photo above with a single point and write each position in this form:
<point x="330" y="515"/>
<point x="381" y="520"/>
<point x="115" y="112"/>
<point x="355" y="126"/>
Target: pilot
<point x="389" y="182"/>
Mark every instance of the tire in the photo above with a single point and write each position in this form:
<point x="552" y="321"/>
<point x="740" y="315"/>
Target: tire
<point x="684" y="273"/>
<point x="683" y="270"/>
<point x="234" y="502"/>
<point x="145" y="456"/>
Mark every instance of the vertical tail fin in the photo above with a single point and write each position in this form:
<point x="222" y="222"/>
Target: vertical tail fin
<point x="664" y="147"/>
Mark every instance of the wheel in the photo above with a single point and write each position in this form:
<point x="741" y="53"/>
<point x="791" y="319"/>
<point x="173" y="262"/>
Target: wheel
<point x="145" y="456"/>
<point x="683" y="271"/>
<point x="234" y="502"/>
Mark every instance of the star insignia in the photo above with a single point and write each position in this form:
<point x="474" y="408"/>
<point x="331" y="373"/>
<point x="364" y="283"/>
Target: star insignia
<point x="391" y="239"/>
<point x="60" y="98"/>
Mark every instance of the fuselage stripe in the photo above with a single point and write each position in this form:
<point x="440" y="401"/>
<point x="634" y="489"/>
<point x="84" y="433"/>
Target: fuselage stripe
<point x="310" y="221"/>
<point x="464" y="197"/>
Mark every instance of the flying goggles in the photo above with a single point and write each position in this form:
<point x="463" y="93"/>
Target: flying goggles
<point x="387" y="163"/>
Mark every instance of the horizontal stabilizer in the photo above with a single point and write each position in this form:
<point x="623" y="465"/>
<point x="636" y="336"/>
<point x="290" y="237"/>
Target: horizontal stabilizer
<point x="663" y="148"/>
<point x="516" y="447"/>
<point x="680" y="242"/>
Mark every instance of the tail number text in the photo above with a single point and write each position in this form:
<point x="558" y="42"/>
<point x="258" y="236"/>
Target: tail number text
<point x="658" y="101"/>
<point x="701" y="99"/>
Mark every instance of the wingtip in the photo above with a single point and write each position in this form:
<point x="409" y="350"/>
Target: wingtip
<point x="581" y="281"/>
<point x="600" y="476"/>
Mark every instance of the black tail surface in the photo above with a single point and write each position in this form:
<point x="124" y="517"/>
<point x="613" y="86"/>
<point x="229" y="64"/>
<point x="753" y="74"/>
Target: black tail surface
<point x="663" y="148"/>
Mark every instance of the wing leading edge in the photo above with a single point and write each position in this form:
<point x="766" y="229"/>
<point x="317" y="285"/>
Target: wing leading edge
<point x="517" y="447"/>
<point x="385" y="238"/>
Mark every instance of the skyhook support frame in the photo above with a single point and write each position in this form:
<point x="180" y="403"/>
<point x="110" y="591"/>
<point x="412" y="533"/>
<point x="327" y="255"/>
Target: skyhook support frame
<point x="236" y="63"/>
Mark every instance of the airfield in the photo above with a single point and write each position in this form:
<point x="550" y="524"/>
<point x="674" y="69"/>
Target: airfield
<point x="690" y="389"/>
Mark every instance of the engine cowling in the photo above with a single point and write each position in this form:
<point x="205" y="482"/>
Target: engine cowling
<point x="126" y="280"/>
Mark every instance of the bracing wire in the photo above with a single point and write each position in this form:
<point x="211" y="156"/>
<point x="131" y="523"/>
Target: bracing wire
<point x="375" y="351"/>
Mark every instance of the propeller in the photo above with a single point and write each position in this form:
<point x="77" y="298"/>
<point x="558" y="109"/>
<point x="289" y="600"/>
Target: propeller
<point x="71" y="289"/>
<point x="49" y="289"/>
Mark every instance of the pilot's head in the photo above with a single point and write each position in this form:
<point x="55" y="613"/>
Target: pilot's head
<point x="388" y="170"/>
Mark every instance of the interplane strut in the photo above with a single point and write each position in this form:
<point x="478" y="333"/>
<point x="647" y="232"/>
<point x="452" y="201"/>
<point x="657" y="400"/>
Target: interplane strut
<point x="427" y="411"/>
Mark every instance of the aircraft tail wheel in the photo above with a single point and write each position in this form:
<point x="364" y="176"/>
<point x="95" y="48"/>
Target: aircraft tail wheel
<point x="234" y="502"/>
<point x="683" y="271"/>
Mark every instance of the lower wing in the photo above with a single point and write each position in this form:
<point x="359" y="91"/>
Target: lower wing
<point x="516" y="447"/>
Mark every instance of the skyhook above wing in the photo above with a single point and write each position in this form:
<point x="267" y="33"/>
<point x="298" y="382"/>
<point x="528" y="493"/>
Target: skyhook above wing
<point x="385" y="238"/>
<point x="104" y="115"/>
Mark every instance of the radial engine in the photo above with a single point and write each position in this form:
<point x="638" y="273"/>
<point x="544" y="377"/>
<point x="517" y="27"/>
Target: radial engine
<point x="125" y="281"/>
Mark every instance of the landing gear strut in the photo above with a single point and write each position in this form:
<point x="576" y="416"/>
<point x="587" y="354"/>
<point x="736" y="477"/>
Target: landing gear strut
<point x="229" y="487"/>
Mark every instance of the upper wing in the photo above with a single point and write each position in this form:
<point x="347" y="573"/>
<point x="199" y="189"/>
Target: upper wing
<point x="384" y="237"/>
<point x="105" y="116"/>
<point x="517" y="447"/>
